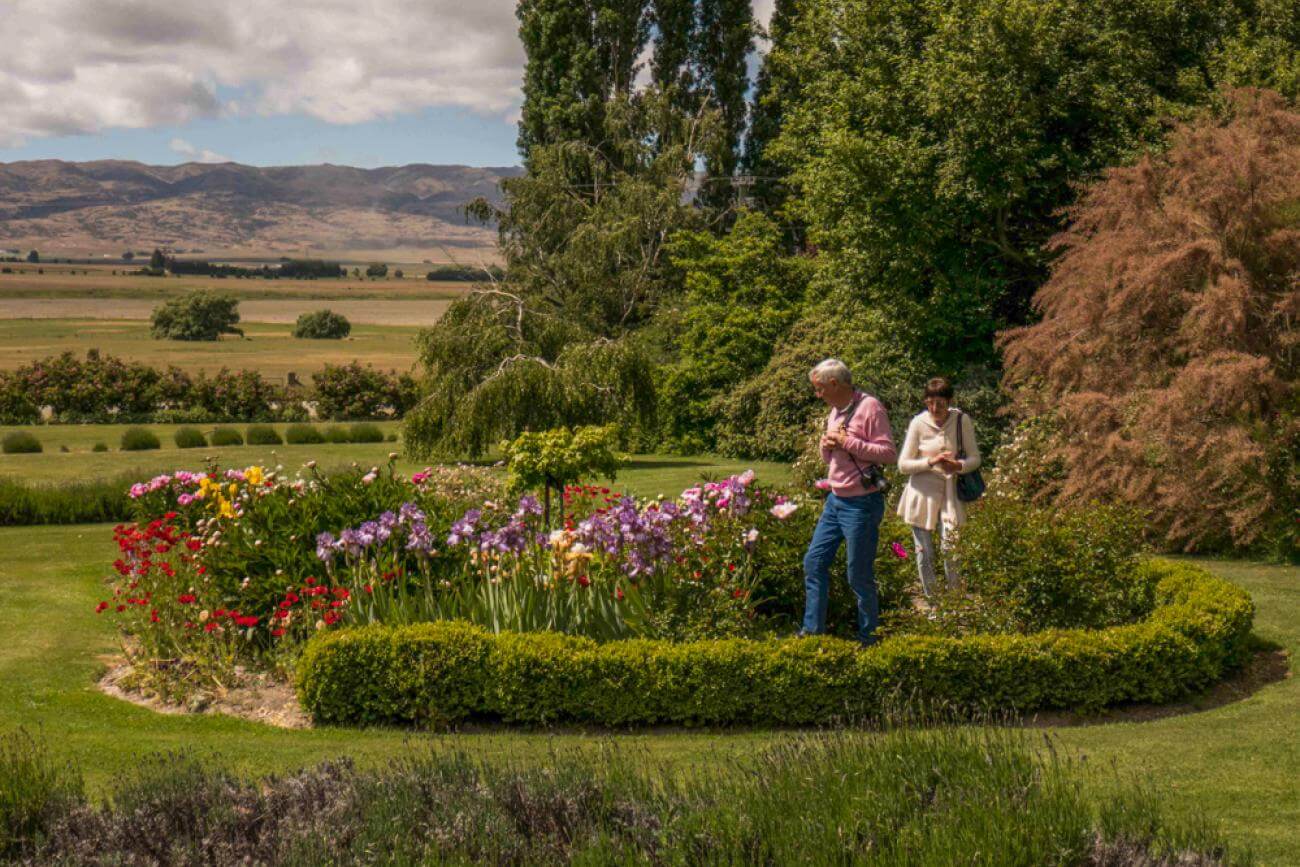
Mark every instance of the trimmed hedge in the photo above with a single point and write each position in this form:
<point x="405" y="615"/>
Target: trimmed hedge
<point x="138" y="439"/>
<point x="189" y="438"/>
<point x="262" y="435"/>
<point x="23" y="504"/>
<point x="227" y="436"/>
<point x="445" y="671"/>
<point x="21" y="442"/>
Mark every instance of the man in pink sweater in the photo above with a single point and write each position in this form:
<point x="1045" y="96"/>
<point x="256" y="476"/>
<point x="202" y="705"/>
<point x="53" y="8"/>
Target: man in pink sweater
<point x="857" y="437"/>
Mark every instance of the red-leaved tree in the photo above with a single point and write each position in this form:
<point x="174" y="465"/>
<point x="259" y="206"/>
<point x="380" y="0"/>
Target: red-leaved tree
<point x="1168" y="344"/>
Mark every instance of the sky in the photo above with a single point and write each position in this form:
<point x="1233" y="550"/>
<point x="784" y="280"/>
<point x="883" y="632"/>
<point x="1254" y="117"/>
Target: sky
<point x="263" y="82"/>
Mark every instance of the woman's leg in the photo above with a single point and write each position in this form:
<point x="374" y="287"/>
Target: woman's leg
<point x="947" y="537"/>
<point x="923" y="542"/>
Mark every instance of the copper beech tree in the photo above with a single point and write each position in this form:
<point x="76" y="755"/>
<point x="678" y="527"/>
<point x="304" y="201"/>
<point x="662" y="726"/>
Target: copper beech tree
<point x="1168" y="345"/>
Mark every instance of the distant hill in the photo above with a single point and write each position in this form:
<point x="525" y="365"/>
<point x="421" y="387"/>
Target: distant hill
<point x="115" y="204"/>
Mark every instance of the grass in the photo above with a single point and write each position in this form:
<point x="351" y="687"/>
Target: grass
<point x="1236" y="763"/>
<point x="269" y="348"/>
<point x="643" y="474"/>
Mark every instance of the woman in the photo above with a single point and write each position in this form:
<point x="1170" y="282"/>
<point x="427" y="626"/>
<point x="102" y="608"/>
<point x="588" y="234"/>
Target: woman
<point x="929" y="460"/>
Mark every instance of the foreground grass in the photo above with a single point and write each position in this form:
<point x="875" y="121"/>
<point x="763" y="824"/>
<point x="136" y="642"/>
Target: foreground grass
<point x="1237" y="763"/>
<point x="266" y="347"/>
<point x="910" y="796"/>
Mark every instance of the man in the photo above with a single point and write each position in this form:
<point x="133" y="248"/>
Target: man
<point x="857" y="436"/>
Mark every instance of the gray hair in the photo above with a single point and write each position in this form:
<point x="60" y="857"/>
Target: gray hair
<point x="831" y="368"/>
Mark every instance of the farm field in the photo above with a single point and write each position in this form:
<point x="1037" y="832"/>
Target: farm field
<point x="55" y="646"/>
<point x="266" y="346"/>
<point x="646" y="475"/>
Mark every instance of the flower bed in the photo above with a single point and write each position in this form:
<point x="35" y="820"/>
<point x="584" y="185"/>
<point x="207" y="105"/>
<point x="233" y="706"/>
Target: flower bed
<point x="245" y="565"/>
<point x="447" y="671"/>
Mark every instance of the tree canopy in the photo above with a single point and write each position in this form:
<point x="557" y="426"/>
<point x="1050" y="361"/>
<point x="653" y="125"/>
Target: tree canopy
<point x="1169" y="347"/>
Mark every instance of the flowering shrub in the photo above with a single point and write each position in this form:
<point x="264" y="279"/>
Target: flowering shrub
<point x="677" y="568"/>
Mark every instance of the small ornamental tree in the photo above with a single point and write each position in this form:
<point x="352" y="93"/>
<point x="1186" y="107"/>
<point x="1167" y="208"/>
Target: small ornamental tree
<point x="551" y="459"/>
<point x="377" y="270"/>
<point x="322" y="325"/>
<point x="1168" y="343"/>
<point x="200" y="315"/>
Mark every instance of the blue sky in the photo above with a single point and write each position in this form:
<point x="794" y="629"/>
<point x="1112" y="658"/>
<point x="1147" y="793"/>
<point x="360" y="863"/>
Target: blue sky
<point x="433" y="135"/>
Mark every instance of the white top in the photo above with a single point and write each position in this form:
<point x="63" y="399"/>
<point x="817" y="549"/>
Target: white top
<point x="931" y="493"/>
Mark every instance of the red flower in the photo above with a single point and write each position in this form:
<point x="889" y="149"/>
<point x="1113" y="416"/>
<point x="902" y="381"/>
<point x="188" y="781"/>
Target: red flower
<point x="211" y="626"/>
<point x="277" y="632"/>
<point x="368" y="588"/>
<point x="331" y="618"/>
<point x="738" y="594"/>
<point x="281" y="614"/>
<point x="220" y="612"/>
<point x="101" y="608"/>
<point x="584" y="581"/>
<point x="249" y="620"/>
<point x="187" y="598"/>
<point x="121" y="608"/>
<point x="311" y="581"/>
<point x="153" y="616"/>
<point x="194" y="544"/>
<point x="618" y="592"/>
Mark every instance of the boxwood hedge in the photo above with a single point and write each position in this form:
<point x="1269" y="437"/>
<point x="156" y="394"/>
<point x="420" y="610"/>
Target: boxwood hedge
<point x="445" y="671"/>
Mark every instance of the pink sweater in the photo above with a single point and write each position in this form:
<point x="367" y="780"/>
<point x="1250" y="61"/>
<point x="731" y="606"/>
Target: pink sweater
<point x="869" y="442"/>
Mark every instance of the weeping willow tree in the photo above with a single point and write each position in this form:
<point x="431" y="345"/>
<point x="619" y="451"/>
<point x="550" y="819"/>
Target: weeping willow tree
<point x="560" y="340"/>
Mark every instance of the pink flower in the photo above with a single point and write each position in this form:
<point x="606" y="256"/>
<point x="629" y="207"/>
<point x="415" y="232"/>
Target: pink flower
<point x="822" y="484"/>
<point x="899" y="551"/>
<point x="784" y="510"/>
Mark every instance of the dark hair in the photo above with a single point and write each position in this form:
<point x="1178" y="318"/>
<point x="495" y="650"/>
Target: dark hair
<point x="938" y="387"/>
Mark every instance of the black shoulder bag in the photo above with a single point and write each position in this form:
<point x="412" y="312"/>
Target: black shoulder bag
<point x="970" y="486"/>
<point x="872" y="475"/>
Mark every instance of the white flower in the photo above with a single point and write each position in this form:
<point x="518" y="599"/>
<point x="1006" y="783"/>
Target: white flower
<point x="752" y="536"/>
<point x="368" y="478"/>
<point x="784" y="510"/>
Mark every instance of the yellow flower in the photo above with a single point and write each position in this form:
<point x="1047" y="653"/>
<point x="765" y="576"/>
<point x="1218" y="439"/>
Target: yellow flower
<point x="253" y="475"/>
<point x="234" y="489"/>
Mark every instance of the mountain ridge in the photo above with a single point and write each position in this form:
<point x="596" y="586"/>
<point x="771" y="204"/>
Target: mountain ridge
<point x="60" y="203"/>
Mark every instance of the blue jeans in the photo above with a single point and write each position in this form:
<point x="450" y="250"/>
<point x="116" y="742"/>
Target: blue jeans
<point x="856" y="521"/>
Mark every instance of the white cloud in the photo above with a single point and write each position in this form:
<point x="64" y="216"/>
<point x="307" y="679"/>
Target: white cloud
<point x="197" y="155"/>
<point x="80" y="66"/>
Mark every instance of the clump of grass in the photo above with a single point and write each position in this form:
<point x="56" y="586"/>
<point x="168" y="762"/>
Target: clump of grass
<point x="919" y="796"/>
<point x="138" y="439"/>
<point x="34" y="793"/>
<point x="21" y="442"/>
<point x="189" y="438"/>
<point x="337" y="433"/>
<point x="23" y="504"/>
<point x="99" y="447"/>
<point x="365" y="432"/>
<point x="262" y="435"/>
<point x="303" y="434"/>
<point x="227" y="436"/>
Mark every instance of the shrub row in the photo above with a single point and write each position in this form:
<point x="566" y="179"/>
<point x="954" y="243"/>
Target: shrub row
<point x="445" y="671"/>
<point x="101" y="388"/>
<point x="23" y="505"/>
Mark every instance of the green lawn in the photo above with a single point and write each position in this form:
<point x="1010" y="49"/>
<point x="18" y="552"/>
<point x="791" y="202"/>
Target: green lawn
<point x="1238" y="763"/>
<point x="266" y="347"/>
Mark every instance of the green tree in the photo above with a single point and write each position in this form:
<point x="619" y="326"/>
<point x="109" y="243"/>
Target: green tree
<point x="157" y="261"/>
<point x="550" y="460"/>
<point x="33" y="256"/>
<point x="774" y="89"/>
<point x="376" y="269"/>
<point x="559" y="343"/>
<point x="580" y="55"/>
<point x="322" y="325"/>
<point x="722" y="45"/>
<point x="934" y="144"/>
<point x="742" y="295"/>
<point x="200" y="315"/>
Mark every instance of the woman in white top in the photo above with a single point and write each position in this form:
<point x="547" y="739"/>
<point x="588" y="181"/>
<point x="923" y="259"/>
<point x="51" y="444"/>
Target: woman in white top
<point x="929" y="460"/>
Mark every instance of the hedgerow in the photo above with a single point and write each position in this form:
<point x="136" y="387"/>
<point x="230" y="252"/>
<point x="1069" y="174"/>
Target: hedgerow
<point x="441" y="672"/>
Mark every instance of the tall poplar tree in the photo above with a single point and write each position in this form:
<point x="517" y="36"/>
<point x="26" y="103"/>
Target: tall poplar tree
<point x="722" y="45"/>
<point x="775" y="88"/>
<point x="581" y="54"/>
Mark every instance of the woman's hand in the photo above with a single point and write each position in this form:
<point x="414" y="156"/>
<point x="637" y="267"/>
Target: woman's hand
<point x="834" y="439"/>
